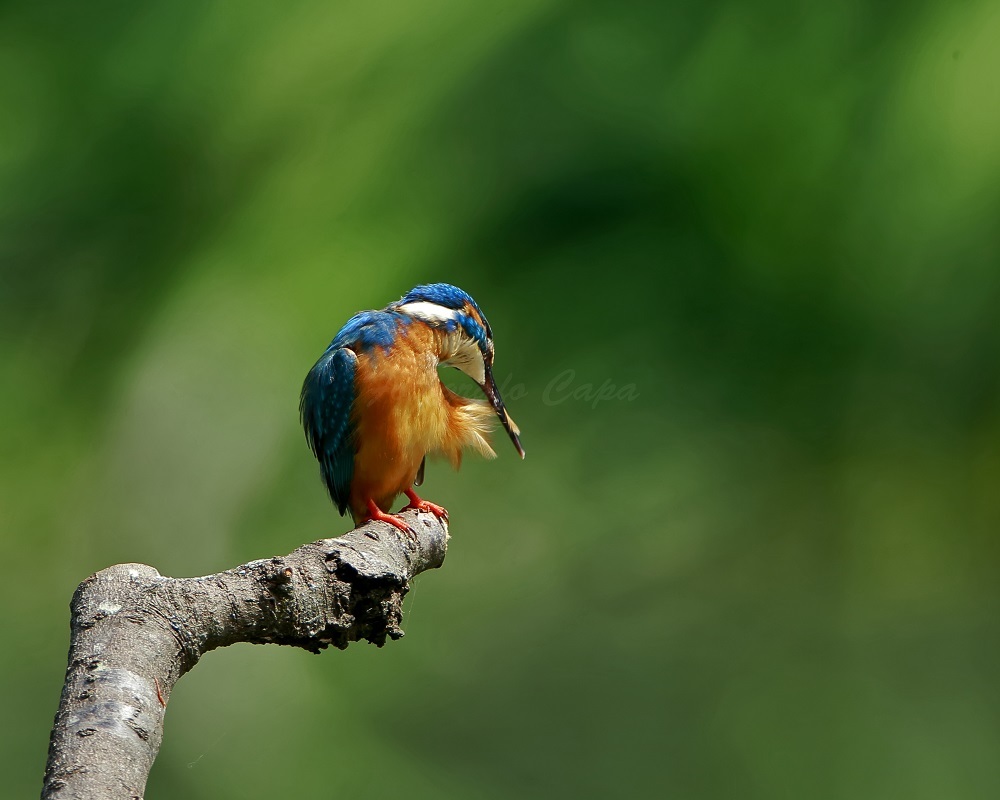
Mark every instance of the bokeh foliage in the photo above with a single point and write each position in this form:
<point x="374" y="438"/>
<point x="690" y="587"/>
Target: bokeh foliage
<point x="774" y="573"/>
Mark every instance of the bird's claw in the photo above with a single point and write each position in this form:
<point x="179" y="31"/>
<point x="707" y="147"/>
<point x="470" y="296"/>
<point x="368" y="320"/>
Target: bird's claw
<point x="375" y="513"/>
<point x="424" y="505"/>
<point x="420" y="504"/>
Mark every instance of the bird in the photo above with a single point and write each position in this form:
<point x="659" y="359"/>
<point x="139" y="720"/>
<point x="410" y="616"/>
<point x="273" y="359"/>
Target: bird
<point x="373" y="407"/>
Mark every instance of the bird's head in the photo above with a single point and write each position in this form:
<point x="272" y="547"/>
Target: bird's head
<point x="467" y="340"/>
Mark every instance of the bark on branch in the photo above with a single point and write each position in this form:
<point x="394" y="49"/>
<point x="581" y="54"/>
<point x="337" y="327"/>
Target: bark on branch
<point x="135" y="632"/>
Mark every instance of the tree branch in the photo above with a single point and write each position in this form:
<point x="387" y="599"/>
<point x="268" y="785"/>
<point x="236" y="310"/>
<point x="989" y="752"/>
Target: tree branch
<point x="134" y="633"/>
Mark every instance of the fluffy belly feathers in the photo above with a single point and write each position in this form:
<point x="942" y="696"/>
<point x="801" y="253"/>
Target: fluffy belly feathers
<point x="403" y="412"/>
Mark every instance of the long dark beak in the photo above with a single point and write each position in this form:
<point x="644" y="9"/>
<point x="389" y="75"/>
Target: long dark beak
<point x="493" y="395"/>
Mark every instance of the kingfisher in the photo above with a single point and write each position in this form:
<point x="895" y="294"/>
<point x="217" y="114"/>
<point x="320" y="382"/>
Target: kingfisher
<point x="373" y="406"/>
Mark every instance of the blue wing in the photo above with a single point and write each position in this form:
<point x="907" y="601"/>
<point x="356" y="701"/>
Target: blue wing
<point x="325" y="409"/>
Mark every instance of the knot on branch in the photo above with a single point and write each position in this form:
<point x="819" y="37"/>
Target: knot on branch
<point x="371" y="606"/>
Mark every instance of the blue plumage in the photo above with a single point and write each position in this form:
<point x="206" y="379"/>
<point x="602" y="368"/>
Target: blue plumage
<point x="444" y="294"/>
<point x="474" y="331"/>
<point x="325" y="409"/>
<point x="328" y="396"/>
<point x="369" y="329"/>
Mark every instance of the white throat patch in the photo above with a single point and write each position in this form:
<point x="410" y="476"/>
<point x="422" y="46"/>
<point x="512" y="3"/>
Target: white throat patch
<point x="461" y="351"/>
<point x="466" y="357"/>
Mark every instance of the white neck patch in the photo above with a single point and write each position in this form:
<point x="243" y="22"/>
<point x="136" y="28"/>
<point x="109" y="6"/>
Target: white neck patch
<point x="429" y="312"/>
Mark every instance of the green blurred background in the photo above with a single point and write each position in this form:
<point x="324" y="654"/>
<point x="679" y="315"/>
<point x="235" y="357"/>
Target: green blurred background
<point x="772" y="574"/>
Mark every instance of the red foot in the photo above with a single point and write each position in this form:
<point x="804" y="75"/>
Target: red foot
<point x="423" y="505"/>
<point x="374" y="512"/>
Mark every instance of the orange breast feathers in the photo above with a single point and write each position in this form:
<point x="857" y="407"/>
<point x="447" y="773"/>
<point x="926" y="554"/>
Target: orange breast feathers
<point x="403" y="412"/>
